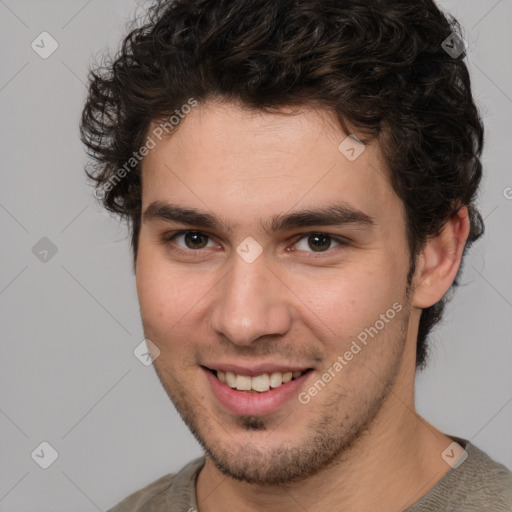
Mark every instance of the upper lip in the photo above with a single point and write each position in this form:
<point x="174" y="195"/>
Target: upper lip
<point x="255" y="369"/>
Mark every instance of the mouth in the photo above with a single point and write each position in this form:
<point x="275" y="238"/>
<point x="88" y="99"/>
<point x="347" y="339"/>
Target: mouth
<point x="259" y="395"/>
<point x="258" y="383"/>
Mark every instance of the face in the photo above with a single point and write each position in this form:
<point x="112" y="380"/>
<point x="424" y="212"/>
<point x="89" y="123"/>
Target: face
<point x="232" y="278"/>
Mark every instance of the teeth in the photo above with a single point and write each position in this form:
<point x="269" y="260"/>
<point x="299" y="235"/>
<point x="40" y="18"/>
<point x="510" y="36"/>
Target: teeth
<point x="276" y="379"/>
<point x="260" y="383"/>
<point x="287" y="377"/>
<point x="230" y="379"/>
<point x="243" y="383"/>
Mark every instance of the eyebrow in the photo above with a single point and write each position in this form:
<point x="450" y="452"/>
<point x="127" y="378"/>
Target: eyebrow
<point x="329" y="215"/>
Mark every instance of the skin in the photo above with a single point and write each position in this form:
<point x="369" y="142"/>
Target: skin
<point x="359" y="442"/>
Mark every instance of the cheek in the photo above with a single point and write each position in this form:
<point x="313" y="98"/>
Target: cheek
<point x="358" y="288"/>
<point x="170" y="297"/>
<point x="342" y="304"/>
<point x="157" y="291"/>
<point x="161" y="307"/>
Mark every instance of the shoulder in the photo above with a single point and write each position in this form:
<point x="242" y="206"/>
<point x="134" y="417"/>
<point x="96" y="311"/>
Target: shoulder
<point x="477" y="484"/>
<point x="487" y="484"/>
<point x="171" y="490"/>
<point x="145" y="496"/>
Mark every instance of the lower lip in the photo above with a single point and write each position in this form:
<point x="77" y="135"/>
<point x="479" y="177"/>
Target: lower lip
<point x="255" y="404"/>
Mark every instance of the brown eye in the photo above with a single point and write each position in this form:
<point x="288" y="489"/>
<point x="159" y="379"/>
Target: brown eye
<point x="192" y="240"/>
<point x="195" y="239"/>
<point x="317" y="242"/>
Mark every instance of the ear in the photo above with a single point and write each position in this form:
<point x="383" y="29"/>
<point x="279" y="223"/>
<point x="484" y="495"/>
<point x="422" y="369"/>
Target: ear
<point x="438" y="263"/>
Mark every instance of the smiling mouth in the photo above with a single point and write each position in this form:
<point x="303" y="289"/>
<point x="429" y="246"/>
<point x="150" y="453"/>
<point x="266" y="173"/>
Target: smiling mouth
<point x="259" y="383"/>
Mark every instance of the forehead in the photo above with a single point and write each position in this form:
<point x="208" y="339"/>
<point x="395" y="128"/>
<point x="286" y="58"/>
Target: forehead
<point x="250" y="164"/>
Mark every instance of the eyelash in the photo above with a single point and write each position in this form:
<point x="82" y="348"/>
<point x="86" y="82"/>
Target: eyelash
<point x="169" y="237"/>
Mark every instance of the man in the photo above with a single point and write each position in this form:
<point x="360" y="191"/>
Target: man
<point x="299" y="177"/>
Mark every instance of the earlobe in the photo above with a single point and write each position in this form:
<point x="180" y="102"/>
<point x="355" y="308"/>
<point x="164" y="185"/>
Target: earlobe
<point x="440" y="260"/>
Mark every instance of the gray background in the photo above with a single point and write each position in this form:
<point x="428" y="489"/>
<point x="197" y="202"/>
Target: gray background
<point x="69" y="326"/>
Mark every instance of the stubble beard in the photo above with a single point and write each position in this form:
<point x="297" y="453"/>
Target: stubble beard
<point x="327" y="441"/>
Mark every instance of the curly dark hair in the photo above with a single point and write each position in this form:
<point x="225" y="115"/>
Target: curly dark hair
<point x="380" y="66"/>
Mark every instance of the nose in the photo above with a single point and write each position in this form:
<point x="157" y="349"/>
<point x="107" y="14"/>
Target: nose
<point x="251" y="301"/>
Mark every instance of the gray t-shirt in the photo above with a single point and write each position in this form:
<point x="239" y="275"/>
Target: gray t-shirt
<point x="478" y="484"/>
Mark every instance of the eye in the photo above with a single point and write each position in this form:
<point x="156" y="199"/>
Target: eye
<point x="193" y="240"/>
<point x="318" y="242"/>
